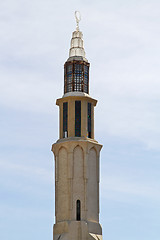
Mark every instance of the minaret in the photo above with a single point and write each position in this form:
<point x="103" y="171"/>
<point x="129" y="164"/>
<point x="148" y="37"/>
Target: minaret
<point x="76" y="152"/>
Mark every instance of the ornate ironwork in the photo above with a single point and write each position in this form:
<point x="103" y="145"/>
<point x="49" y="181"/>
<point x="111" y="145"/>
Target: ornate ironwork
<point x="76" y="76"/>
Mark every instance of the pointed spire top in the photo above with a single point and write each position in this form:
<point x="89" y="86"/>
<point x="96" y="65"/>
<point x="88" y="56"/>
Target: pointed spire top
<point x="78" y="19"/>
<point x="77" y="51"/>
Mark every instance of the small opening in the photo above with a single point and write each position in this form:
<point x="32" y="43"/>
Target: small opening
<point x="65" y="119"/>
<point x="89" y="119"/>
<point x="78" y="210"/>
<point x="77" y="118"/>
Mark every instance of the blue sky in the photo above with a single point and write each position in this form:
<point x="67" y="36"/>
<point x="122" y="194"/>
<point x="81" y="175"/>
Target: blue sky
<point x="122" y="41"/>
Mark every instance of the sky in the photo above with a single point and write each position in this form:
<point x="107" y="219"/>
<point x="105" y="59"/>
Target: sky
<point x="121" y="40"/>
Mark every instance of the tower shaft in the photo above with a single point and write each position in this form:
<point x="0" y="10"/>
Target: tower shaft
<point x="76" y="154"/>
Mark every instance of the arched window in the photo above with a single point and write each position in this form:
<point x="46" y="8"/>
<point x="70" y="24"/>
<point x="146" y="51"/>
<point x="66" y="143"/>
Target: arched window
<point x="78" y="212"/>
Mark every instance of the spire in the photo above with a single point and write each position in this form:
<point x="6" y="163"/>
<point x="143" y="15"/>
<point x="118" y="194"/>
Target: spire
<point x="77" y="47"/>
<point x="76" y="68"/>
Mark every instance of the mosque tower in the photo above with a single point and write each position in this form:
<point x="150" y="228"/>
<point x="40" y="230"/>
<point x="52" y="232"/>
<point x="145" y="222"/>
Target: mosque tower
<point x="76" y="152"/>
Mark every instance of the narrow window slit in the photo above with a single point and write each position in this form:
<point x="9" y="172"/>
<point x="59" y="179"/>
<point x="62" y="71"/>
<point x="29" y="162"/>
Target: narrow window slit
<point x="78" y="118"/>
<point x="65" y="119"/>
<point x="78" y="208"/>
<point x="89" y="120"/>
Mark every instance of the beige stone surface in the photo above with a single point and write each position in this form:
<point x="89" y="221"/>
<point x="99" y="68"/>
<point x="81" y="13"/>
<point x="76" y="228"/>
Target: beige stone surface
<point x="76" y="178"/>
<point x="92" y="186"/>
<point x="74" y="230"/>
<point x="95" y="236"/>
<point x="85" y="99"/>
<point x="76" y="175"/>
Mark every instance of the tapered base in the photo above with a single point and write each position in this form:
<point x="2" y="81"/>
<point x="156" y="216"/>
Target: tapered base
<point x="77" y="230"/>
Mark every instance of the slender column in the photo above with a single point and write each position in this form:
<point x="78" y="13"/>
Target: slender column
<point x="76" y="155"/>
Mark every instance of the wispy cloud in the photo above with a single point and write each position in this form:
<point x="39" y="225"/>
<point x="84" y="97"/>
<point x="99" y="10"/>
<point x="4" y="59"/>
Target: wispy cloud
<point x="41" y="174"/>
<point x="127" y="190"/>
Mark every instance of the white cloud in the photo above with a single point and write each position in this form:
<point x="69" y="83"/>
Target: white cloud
<point x="127" y="190"/>
<point x="41" y="174"/>
<point x="27" y="91"/>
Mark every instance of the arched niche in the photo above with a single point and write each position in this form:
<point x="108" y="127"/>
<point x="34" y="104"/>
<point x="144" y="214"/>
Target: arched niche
<point x="92" y="188"/>
<point x="78" y="162"/>
<point x="62" y="195"/>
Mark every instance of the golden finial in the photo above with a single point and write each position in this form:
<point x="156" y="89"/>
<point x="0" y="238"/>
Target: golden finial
<point x="78" y="19"/>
